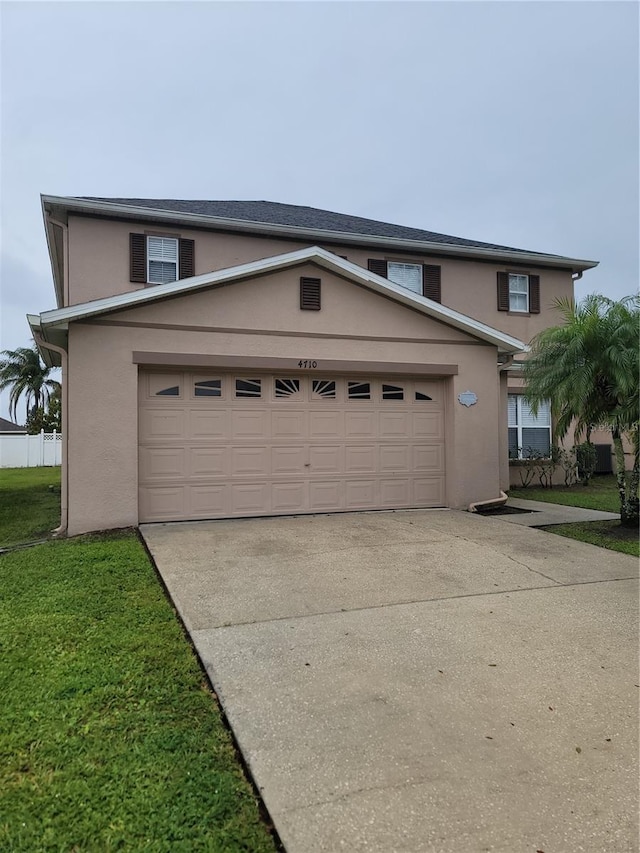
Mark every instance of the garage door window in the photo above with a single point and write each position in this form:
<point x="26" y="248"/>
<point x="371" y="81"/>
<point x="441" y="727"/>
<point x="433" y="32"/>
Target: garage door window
<point x="392" y="392"/>
<point x="359" y="390"/>
<point x="248" y="387"/>
<point x="208" y="388"/>
<point x="287" y="387"/>
<point x="324" y="388"/>
<point x="173" y="391"/>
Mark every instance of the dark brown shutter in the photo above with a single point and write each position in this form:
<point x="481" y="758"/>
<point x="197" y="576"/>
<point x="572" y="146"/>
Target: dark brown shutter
<point x="534" y="294"/>
<point x="310" y="294"/>
<point x="377" y="266"/>
<point x="138" y="258"/>
<point x="503" y="291"/>
<point x="431" y="282"/>
<point x="186" y="258"/>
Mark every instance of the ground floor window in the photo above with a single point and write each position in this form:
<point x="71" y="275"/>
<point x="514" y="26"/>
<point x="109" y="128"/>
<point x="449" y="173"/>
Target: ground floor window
<point x="529" y="434"/>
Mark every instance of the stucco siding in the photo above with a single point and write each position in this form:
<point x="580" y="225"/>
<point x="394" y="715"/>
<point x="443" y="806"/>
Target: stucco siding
<point x="103" y="381"/>
<point x="99" y="266"/>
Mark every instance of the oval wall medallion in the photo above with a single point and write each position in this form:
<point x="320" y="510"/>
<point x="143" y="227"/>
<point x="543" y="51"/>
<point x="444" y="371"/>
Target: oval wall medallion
<point x="468" y="398"/>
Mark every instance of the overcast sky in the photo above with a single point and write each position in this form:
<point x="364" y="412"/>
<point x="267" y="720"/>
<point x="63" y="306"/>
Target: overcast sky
<point x="509" y="122"/>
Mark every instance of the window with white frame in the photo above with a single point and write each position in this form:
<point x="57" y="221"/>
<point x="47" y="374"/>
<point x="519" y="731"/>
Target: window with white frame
<point x="162" y="260"/>
<point x="518" y="292"/>
<point x="406" y="275"/>
<point x="529" y="434"/>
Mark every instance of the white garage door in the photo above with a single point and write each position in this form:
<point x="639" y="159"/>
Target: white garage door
<point x="219" y="445"/>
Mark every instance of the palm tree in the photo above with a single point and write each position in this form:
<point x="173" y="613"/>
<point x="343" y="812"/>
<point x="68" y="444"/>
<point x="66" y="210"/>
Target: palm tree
<point x="23" y="371"/>
<point x="589" y="369"/>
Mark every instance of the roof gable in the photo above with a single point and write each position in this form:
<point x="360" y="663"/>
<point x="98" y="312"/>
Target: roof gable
<point x="60" y="318"/>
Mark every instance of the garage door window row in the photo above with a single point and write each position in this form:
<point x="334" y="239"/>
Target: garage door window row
<point x="284" y="388"/>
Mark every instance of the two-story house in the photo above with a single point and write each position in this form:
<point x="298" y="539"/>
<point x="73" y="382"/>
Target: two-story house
<point x="228" y="359"/>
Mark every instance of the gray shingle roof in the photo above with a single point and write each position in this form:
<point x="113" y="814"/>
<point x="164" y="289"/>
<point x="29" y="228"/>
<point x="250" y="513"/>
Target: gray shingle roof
<point x="9" y="426"/>
<point x="275" y="213"/>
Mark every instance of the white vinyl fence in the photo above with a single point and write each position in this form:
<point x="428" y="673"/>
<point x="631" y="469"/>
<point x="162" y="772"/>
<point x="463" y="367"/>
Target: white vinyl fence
<point x="30" y="451"/>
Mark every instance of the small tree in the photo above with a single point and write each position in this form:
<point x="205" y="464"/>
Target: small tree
<point x="48" y="419"/>
<point x="23" y="372"/>
<point x="589" y="368"/>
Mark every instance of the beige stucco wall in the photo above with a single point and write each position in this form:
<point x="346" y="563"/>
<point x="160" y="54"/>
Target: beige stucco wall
<point x="99" y="266"/>
<point x="103" y="378"/>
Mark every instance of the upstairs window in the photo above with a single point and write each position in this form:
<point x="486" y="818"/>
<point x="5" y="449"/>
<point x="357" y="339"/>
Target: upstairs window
<point x="162" y="260"/>
<point x="518" y="293"/>
<point x="423" y="279"/>
<point x="529" y="434"/>
<point x="406" y="275"/>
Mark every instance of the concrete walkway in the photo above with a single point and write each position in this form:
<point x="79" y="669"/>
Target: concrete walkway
<point x="542" y="513"/>
<point x="420" y="681"/>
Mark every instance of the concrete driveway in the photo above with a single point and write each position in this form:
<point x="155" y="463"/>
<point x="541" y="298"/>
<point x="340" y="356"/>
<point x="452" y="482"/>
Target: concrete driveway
<point x="420" y="681"/>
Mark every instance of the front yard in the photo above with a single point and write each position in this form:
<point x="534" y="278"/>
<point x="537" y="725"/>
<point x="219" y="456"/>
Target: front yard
<point x="29" y="504"/>
<point x="600" y="494"/>
<point x="110" y="736"/>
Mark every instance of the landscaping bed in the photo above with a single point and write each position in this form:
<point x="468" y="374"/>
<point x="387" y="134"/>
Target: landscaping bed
<point x="600" y="494"/>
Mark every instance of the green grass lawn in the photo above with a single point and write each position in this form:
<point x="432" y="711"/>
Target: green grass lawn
<point x="110" y="738"/>
<point x="29" y="504"/>
<point x="606" y="534"/>
<point x="602" y="494"/>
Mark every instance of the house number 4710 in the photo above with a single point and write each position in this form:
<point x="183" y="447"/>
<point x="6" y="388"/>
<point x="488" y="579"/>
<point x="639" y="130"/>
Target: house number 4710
<point x="307" y="363"/>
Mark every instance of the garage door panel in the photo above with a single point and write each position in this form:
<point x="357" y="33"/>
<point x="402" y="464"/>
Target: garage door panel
<point x="394" y="425"/>
<point x="207" y="501"/>
<point x="326" y="459"/>
<point x="209" y="423"/>
<point x="288" y="424"/>
<point x="396" y="492"/>
<point x="428" y="457"/>
<point x="428" y="491"/>
<point x="162" y="423"/>
<point x="208" y="462"/>
<point x="250" y="461"/>
<point x="361" y="424"/>
<point x="290" y="450"/>
<point x="253" y="423"/>
<point x="360" y="458"/>
<point x="158" y="503"/>
<point x="288" y="460"/>
<point x="289" y="497"/>
<point x="394" y="458"/>
<point x="164" y="463"/>
<point x="249" y="498"/>
<point x="428" y="425"/>
<point x="361" y="494"/>
<point x="326" y="424"/>
<point x="326" y="496"/>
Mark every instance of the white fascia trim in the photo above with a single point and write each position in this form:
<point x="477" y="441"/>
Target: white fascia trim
<point x="343" y="237"/>
<point x="62" y="316"/>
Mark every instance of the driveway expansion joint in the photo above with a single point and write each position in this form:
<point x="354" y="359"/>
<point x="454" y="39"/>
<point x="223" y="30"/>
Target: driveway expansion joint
<point x="408" y="603"/>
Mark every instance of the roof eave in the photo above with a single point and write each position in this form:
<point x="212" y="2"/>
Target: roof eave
<point x="56" y="263"/>
<point x="342" y="237"/>
<point x="56" y="335"/>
